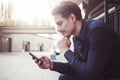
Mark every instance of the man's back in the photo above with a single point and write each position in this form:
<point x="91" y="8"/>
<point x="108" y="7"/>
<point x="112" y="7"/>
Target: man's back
<point x="112" y="69"/>
<point x="100" y="50"/>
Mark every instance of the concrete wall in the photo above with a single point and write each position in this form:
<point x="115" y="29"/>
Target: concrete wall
<point x="35" y="41"/>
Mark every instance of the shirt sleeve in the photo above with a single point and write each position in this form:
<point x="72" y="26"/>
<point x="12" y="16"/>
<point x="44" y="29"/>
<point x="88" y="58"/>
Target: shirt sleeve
<point x="100" y="43"/>
<point x="63" y="68"/>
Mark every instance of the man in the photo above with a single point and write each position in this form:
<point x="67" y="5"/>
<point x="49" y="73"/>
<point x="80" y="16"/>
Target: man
<point x="96" y="54"/>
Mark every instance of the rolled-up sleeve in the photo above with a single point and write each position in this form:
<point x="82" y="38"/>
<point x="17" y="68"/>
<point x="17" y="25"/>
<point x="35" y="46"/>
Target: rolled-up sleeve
<point x="100" y="43"/>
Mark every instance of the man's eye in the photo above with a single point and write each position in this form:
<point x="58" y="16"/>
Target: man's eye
<point x="60" y="23"/>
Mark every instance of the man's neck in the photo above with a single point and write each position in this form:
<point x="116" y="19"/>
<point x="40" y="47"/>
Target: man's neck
<point x="78" y="28"/>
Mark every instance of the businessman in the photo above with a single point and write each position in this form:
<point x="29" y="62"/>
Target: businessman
<point x="96" y="54"/>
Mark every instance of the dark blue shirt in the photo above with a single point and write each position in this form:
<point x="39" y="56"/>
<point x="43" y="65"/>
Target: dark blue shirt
<point x="96" y="53"/>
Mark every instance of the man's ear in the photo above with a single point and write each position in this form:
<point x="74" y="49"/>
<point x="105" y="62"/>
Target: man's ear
<point x="72" y="17"/>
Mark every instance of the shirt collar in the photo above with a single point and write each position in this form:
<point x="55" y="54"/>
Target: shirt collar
<point x="83" y="31"/>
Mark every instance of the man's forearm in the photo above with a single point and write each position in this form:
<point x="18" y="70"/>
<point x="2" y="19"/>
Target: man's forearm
<point x="64" y="68"/>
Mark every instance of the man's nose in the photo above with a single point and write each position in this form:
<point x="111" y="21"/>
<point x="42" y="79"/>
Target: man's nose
<point x="59" y="29"/>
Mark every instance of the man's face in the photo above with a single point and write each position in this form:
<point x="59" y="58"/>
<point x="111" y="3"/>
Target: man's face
<point x="65" y="26"/>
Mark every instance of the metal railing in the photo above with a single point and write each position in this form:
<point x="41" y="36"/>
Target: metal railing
<point x="112" y="17"/>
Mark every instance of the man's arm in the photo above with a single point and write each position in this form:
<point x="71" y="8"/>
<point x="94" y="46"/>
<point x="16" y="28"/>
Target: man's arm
<point x="100" y="45"/>
<point x="64" y="68"/>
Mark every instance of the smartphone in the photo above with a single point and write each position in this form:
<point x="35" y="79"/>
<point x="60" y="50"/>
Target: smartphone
<point x="34" y="57"/>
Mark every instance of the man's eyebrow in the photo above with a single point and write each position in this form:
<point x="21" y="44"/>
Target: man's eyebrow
<point x="58" y="22"/>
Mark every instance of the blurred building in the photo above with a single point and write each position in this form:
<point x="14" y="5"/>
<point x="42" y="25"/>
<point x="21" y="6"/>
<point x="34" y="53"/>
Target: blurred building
<point x="17" y="35"/>
<point x="20" y="36"/>
<point x="106" y="10"/>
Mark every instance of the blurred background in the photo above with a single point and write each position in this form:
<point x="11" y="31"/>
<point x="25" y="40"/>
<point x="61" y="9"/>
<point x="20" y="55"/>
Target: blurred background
<point x="28" y="26"/>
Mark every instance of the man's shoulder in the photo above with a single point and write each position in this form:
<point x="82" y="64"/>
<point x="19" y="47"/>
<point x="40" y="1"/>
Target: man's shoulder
<point x="96" y="23"/>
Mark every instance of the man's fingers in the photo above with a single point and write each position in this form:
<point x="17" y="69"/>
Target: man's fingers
<point x="40" y="63"/>
<point x="65" y="38"/>
<point x="36" y="60"/>
<point x="33" y="58"/>
<point x="43" y="62"/>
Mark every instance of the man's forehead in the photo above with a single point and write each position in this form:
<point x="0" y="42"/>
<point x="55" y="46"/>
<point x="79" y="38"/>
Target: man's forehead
<point x="58" y="17"/>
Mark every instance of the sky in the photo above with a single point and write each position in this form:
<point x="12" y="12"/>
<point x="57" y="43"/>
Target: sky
<point x="29" y="10"/>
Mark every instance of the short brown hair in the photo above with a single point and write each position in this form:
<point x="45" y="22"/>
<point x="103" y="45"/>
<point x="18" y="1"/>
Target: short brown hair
<point x="65" y="8"/>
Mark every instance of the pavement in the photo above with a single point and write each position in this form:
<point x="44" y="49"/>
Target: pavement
<point x="20" y="66"/>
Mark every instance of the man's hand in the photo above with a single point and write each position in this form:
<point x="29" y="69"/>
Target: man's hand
<point x="46" y="63"/>
<point x="64" y="44"/>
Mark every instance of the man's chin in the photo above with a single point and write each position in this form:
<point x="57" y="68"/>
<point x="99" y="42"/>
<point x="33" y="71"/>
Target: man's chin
<point x="67" y="36"/>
